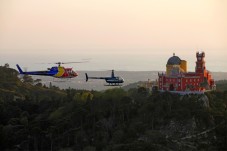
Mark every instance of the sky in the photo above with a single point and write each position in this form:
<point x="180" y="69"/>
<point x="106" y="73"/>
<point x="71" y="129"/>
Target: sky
<point x="134" y="35"/>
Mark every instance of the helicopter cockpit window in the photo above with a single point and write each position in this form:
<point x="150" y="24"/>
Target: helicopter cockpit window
<point x="70" y="72"/>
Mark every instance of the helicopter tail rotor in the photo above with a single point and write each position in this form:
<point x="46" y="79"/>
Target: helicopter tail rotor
<point x="86" y="77"/>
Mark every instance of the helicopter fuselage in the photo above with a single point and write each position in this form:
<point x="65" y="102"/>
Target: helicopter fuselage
<point x="112" y="80"/>
<point x="57" y="72"/>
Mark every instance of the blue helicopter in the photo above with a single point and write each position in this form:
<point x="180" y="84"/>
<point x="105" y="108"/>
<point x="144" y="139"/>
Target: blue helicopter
<point x="112" y="81"/>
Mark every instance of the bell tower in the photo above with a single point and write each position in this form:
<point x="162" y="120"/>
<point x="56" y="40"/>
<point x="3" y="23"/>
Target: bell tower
<point x="200" y="63"/>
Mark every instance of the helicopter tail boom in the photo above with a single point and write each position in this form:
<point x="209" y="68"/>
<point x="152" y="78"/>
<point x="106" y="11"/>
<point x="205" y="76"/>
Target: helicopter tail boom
<point x="94" y="77"/>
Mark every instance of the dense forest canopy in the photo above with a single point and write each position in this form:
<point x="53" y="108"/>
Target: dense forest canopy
<point x="38" y="117"/>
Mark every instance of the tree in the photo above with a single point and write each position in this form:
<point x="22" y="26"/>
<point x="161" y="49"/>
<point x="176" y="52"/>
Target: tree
<point x="37" y="82"/>
<point x="28" y="79"/>
<point x="6" y="65"/>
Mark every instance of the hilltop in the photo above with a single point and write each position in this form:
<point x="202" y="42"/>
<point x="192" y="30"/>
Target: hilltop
<point x="13" y="87"/>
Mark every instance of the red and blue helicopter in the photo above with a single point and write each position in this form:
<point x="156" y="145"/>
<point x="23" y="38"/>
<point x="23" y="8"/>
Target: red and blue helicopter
<point x="56" y="71"/>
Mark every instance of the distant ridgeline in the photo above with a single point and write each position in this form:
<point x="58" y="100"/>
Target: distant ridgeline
<point x="36" y="117"/>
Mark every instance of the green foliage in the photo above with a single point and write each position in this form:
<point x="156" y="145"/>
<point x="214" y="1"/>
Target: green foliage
<point x="221" y="85"/>
<point x="28" y="79"/>
<point x="40" y="118"/>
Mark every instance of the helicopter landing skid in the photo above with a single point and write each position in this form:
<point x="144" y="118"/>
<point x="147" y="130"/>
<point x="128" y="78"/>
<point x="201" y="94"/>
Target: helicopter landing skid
<point x="112" y="85"/>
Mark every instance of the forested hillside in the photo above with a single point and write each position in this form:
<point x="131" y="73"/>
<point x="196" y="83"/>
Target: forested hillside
<point x="37" y="117"/>
<point x="221" y="85"/>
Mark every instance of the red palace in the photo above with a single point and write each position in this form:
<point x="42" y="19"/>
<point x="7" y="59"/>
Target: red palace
<point x="177" y="78"/>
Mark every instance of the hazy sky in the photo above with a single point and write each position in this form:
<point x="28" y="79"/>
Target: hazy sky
<point x="120" y="34"/>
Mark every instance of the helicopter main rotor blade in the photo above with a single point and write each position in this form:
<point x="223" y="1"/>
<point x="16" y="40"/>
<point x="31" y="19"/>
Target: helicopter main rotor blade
<point x="74" y="62"/>
<point x="59" y="63"/>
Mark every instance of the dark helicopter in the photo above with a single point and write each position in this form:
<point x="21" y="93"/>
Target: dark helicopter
<point x="112" y="81"/>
